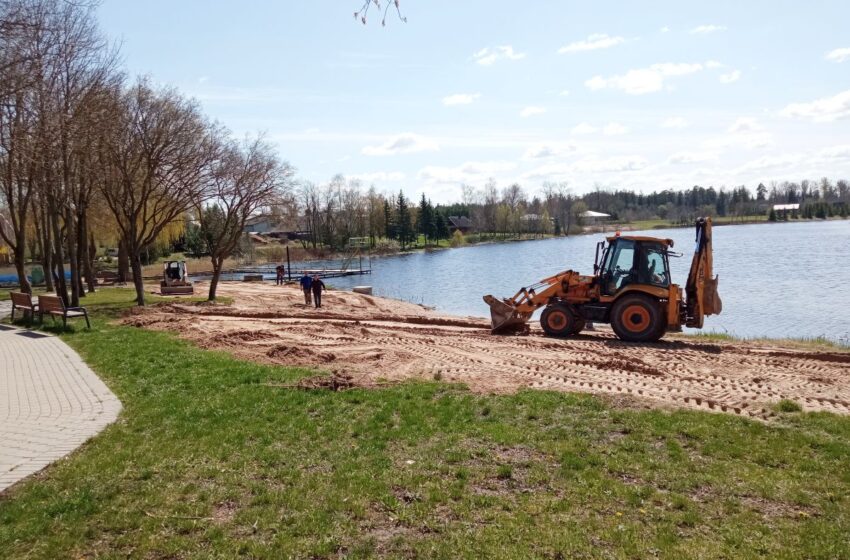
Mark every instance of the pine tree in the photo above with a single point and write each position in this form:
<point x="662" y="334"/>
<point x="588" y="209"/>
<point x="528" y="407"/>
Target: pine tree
<point x="404" y="228"/>
<point x="441" y="230"/>
<point x="389" y="232"/>
<point x="425" y="222"/>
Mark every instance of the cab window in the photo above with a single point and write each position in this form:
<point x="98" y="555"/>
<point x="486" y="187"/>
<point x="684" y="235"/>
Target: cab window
<point x="620" y="266"/>
<point x="653" y="269"/>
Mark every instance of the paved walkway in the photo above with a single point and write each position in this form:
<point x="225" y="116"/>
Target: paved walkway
<point x="50" y="401"/>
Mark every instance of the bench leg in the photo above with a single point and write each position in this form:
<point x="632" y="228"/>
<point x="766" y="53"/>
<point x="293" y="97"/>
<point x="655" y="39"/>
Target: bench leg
<point x="64" y="322"/>
<point x="13" y="312"/>
<point x="86" y="315"/>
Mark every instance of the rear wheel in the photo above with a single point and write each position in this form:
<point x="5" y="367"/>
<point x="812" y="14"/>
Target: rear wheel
<point x="559" y="320"/>
<point x="638" y="318"/>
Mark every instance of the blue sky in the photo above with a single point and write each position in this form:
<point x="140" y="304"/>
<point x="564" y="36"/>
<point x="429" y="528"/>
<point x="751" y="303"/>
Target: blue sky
<point x="644" y="95"/>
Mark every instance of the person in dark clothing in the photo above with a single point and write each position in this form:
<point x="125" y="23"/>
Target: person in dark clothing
<point x="280" y="270"/>
<point x="306" y="284"/>
<point x="317" y="286"/>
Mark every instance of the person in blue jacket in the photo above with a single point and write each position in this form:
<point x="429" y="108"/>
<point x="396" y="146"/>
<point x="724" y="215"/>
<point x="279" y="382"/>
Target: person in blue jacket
<point x="306" y="285"/>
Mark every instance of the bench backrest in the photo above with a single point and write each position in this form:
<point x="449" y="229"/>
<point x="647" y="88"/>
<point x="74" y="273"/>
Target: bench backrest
<point x="50" y="303"/>
<point x="20" y="299"/>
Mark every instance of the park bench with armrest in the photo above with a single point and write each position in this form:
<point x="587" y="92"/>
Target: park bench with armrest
<point x="21" y="300"/>
<point x="54" y="306"/>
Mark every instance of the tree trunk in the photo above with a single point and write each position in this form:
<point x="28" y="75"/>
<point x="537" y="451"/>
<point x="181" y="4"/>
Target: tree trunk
<point x="46" y="251"/>
<point x="59" y="259"/>
<point x="73" y="260"/>
<point x="138" y="281"/>
<point x="20" y="260"/>
<point x="217" y="264"/>
<point x="123" y="261"/>
<point x="88" y="263"/>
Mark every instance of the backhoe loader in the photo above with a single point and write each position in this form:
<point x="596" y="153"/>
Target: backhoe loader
<point x="630" y="288"/>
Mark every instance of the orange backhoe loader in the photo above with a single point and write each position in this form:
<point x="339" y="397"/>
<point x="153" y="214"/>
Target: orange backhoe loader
<point x="630" y="288"/>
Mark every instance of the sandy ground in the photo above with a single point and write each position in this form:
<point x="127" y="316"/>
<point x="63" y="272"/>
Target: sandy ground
<point x="374" y="340"/>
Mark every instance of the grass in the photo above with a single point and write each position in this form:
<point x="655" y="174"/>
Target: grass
<point x="804" y="342"/>
<point x="208" y="461"/>
<point x="658" y="223"/>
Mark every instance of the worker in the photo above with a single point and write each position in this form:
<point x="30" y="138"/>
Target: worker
<point x="317" y="286"/>
<point x="279" y="278"/>
<point x="306" y="284"/>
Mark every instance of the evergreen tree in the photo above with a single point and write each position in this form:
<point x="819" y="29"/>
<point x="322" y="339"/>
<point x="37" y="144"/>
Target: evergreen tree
<point x="389" y="230"/>
<point x="441" y="230"/>
<point x="772" y="216"/>
<point x="404" y="228"/>
<point x="425" y="221"/>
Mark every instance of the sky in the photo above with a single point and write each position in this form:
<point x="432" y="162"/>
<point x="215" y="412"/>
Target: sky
<point x="642" y="95"/>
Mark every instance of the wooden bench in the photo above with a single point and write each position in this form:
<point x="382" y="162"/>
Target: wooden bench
<point x="53" y="305"/>
<point x="21" y="300"/>
<point x="106" y="278"/>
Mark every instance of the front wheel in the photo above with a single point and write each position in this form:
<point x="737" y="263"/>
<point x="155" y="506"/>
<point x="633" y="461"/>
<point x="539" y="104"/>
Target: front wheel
<point x="638" y="318"/>
<point x="559" y="320"/>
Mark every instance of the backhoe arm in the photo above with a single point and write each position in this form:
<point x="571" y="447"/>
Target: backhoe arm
<point x="701" y="289"/>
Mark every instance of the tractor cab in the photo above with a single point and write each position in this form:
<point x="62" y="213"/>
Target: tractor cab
<point x="627" y="260"/>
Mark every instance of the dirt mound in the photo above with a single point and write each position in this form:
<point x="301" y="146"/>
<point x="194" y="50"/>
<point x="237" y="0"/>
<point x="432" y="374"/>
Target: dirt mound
<point x="333" y="382"/>
<point x="372" y="341"/>
<point x="296" y="355"/>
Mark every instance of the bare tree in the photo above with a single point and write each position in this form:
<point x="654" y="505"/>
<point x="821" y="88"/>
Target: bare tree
<point x="364" y="10"/>
<point x="244" y="179"/>
<point x="160" y="149"/>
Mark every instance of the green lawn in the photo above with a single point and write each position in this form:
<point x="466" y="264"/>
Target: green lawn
<point x="209" y="461"/>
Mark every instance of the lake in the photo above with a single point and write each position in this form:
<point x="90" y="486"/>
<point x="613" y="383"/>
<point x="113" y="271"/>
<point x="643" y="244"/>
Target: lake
<point x="776" y="280"/>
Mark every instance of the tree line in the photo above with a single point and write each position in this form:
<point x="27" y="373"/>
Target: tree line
<point x="86" y="153"/>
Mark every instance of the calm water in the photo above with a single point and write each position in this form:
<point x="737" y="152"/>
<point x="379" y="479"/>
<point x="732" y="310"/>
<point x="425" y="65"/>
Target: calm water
<point x="776" y="280"/>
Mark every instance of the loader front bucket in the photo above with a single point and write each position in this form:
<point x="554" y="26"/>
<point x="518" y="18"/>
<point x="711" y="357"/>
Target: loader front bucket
<point x="504" y="316"/>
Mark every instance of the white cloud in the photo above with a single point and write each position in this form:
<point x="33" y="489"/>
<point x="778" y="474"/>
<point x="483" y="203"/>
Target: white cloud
<point x="839" y="55"/>
<point x="544" y="151"/>
<point x="488" y="56"/>
<point x="564" y="92"/>
<point x="591" y="166"/>
<point x="611" y="164"/>
<point x="745" y="124"/>
<point x="531" y="111"/>
<point x="643" y="80"/>
<point x="405" y="143"/>
<point x="583" y="128"/>
<point x="674" y="122"/>
<point x="706" y="29"/>
<point x="745" y="132"/>
<point x="461" y="98"/>
<point x="665" y="29"/>
<point x="691" y="157"/>
<point x="731" y="77"/>
<point x="714" y="64"/>
<point x="836" y="153"/>
<point x="469" y="172"/>
<point x="593" y="42"/>
<point x="826" y="109"/>
<point x="614" y="129"/>
<point x="379" y="176"/>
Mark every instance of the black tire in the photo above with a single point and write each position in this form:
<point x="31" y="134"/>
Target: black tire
<point x="559" y="320"/>
<point x="638" y="318"/>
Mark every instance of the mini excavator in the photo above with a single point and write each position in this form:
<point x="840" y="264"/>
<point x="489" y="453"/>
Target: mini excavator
<point x="630" y="288"/>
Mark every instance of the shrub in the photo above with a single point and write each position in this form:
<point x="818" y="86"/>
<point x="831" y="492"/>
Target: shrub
<point x="457" y="239"/>
<point x="786" y="405"/>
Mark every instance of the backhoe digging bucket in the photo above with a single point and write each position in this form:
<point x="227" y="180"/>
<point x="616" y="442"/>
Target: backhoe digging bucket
<point x="710" y="298"/>
<point x="504" y="317"/>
